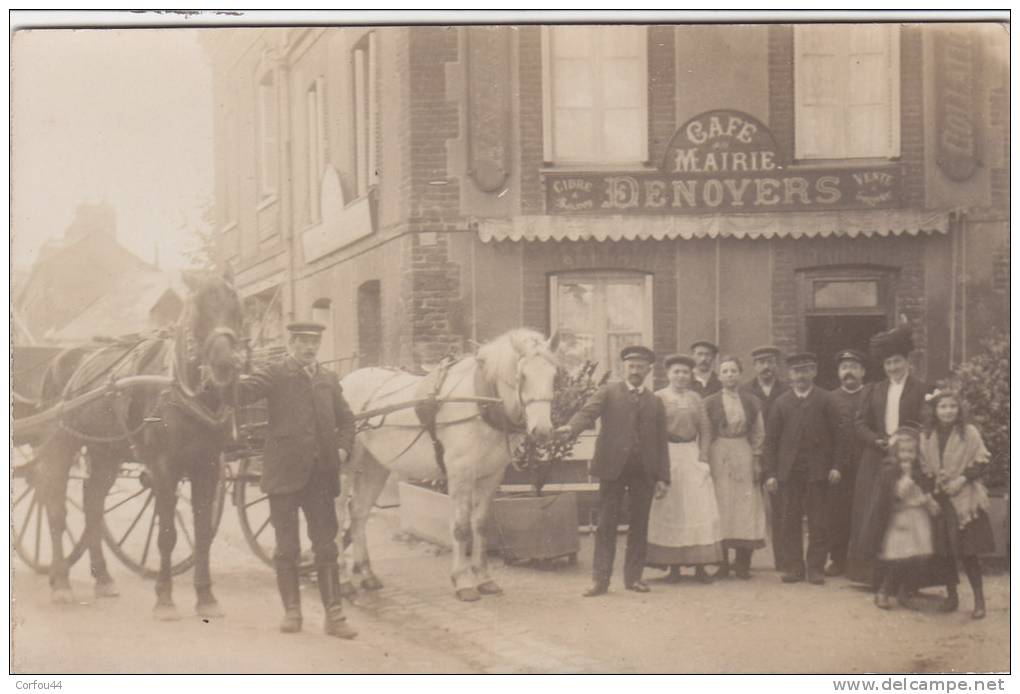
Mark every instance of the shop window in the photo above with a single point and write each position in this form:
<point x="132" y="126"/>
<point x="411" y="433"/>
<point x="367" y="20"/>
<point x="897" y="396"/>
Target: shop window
<point x="365" y="114"/>
<point x="598" y="314"/>
<point x="369" y="324"/>
<point x="595" y="89"/>
<point x="847" y="91"/>
<point x="266" y="132"/>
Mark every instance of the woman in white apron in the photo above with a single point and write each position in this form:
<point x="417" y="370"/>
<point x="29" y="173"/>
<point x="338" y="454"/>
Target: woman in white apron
<point x="683" y="526"/>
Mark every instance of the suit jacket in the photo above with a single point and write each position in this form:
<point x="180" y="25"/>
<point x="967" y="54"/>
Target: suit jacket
<point x="754" y="388"/>
<point x="309" y="420"/>
<point x="815" y="423"/>
<point x="713" y="386"/>
<point x="849" y="404"/>
<point x="620" y="413"/>
<point x="870" y="421"/>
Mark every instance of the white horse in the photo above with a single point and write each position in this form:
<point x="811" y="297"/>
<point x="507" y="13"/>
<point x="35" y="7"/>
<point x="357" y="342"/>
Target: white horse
<point x="518" y="368"/>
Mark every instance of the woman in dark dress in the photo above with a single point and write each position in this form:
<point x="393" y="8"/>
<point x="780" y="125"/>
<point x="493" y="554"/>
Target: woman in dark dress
<point x="954" y="456"/>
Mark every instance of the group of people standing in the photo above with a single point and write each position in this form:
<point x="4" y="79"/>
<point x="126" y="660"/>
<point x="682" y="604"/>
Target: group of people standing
<point x="706" y="460"/>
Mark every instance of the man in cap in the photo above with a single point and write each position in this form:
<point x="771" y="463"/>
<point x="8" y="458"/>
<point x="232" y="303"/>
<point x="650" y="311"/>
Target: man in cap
<point x="767" y="387"/>
<point x="885" y="405"/>
<point x="850" y="369"/>
<point x="309" y="436"/>
<point x="632" y="456"/>
<point x="801" y="459"/>
<point x="705" y="381"/>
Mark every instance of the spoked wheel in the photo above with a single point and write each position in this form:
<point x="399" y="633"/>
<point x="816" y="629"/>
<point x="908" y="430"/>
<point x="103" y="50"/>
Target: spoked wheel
<point x="30" y="527"/>
<point x="253" y="513"/>
<point x="131" y="528"/>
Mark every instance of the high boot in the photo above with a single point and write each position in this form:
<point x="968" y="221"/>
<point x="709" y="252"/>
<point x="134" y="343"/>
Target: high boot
<point x="743" y="563"/>
<point x="972" y="566"/>
<point x="328" y="578"/>
<point x="290" y="594"/>
<point x="952" y="601"/>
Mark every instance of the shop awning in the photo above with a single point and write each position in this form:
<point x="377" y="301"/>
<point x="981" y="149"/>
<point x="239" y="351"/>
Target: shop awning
<point x="794" y="225"/>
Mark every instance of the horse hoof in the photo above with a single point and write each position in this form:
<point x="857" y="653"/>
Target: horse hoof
<point x="468" y="594"/>
<point x="371" y="583"/>
<point x="106" y="589"/>
<point x="62" y="596"/>
<point x="166" y="613"/>
<point x="208" y="610"/>
<point x="347" y="590"/>
<point x="490" y="588"/>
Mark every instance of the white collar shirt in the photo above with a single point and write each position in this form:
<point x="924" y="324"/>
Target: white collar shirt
<point x="892" y="406"/>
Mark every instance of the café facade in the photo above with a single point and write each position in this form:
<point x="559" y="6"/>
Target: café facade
<point x="804" y="186"/>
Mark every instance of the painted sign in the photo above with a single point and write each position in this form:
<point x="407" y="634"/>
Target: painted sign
<point x="723" y="161"/>
<point x="957" y="106"/>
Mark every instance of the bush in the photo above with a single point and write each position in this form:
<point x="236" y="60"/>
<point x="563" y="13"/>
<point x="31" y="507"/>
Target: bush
<point x="984" y="385"/>
<point x="571" y="391"/>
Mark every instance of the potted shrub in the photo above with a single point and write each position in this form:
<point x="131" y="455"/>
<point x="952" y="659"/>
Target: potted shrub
<point x="525" y="526"/>
<point x="984" y="385"/>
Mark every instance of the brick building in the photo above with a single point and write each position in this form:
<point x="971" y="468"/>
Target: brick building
<point x="418" y="189"/>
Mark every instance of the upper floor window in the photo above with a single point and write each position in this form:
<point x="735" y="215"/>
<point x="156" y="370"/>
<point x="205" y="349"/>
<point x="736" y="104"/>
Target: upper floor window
<point x="847" y="87"/>
<point x="315" y="149"/>
<point x="365" y="114"/>
<point x="595" y="85"/>
<point x="266" y="132"/>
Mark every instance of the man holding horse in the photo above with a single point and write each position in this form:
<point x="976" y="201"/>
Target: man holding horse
<point x="310" y="435"/>
<point x="632" y="456"/>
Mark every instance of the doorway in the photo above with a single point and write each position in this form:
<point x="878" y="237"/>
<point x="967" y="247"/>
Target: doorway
<point x="827" y="336"/>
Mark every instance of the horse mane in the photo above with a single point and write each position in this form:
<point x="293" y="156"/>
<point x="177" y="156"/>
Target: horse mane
<point x="499" y="357"/>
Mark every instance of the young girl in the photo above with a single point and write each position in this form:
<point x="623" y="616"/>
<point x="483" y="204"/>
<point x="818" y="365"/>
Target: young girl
<point x="954" y="455"/>
<point x="907" y="541"/>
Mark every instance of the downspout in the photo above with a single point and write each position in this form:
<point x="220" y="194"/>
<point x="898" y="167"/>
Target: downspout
<point x="962" y="224"/>
<point x="286" y="184"/>
<point x="717" y="312"/>
<point x="954" y="278"/>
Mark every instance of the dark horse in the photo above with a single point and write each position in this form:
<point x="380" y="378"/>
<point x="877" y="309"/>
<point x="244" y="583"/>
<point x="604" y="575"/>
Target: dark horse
<point x="177" y="430"/>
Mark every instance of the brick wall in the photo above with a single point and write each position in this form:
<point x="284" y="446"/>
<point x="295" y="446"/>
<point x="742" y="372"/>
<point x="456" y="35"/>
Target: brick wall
<point x="529" y="66"/>
<point x="661" y="90"/>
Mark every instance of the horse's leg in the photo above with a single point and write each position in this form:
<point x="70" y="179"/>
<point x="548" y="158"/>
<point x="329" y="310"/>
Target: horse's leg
<point x="104" y="466"/>
<point x="348" y="481"/>
<point x="50" y="480"/>
<point x="371" y="480"/>
<point x="204" y="481"/>
<point x="485" y="490"/>
<point x="461" y="492"/>
<point x="165" y="488"/>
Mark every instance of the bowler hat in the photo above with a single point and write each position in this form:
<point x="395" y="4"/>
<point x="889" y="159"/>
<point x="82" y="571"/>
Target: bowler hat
<point x="685" y="359"/>
<point x="306" y="328"/>
<point x="802" y="359"/>
<point x="851" y="355"/>
<point x="765" y="351"/>
<point x="705" y="343"/>
<point x="637" y="352"/>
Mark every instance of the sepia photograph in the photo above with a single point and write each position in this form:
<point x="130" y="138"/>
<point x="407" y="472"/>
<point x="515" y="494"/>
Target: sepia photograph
<point x="489" y="343"/>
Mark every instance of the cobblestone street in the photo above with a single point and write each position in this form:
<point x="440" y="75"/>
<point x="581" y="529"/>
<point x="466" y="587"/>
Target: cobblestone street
<point x="540" y="625"/>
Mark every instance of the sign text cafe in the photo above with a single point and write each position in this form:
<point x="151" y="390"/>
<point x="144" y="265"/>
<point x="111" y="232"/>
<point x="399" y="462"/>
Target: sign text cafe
<point x="723" y="161"/>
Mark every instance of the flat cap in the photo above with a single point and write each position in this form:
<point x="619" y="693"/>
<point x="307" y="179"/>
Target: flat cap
<point x="765" y="351"/>
<point x="637" y="352"/>
<point x="801" y="359"/>
<point x="306" y="328"/>
<point x="685" y="359"/>
<point x="705" y="343"/>
<point x="851" y="355"/>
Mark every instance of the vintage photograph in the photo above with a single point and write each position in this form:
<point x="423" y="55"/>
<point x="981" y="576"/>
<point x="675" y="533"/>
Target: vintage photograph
<point x="548" y="346"/>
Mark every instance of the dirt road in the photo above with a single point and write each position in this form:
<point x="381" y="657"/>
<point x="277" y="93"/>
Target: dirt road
<point x="541" y="624"/>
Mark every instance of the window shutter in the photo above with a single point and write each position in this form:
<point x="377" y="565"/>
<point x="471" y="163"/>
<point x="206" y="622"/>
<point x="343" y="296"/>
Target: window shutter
<point x="817" y="72"/>
<point x="574" y="68"/>
<point x="869" y="86"/>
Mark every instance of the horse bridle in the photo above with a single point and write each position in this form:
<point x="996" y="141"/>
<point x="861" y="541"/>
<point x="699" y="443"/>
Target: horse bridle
<point x="519" y="385"/>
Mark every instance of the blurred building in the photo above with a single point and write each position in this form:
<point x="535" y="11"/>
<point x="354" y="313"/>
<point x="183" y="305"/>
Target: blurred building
<point x="420" y="188"/>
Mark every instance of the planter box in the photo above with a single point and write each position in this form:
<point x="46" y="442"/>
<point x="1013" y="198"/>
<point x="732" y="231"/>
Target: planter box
<point x="998" y="516"/>
<point x="520" y="527"/>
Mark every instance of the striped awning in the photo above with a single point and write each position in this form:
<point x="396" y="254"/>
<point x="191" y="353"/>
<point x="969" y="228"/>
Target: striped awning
<point x="866" y="223"/>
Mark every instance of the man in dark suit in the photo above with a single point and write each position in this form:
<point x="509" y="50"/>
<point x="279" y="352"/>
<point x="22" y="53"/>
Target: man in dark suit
<point x="631" y="455"/>
<point x="310" y="435"/>
<point x="767" y="387"/>
<point x="850" y="371"/>
<point x="705" y="382"/>
<point x="801" y="457"/>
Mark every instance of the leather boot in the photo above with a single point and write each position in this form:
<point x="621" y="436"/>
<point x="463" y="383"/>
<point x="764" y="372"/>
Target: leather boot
<point x="952" y="601"/>
<point x="328" y="578"/>
<point x="743" y="564"/>
<point x="979" y="602"/>
<point x="290" y="593"/>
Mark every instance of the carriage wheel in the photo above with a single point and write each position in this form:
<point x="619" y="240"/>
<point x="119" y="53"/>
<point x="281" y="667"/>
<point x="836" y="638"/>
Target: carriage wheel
<point x="253" y="514"/>
<point x="30" y="527"/>
<point x="131" y="529"/>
